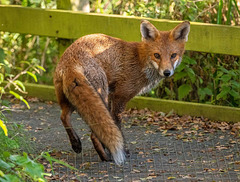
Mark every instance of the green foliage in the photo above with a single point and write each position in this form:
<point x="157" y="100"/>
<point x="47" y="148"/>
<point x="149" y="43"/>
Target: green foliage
<point x="20" y="168"/>
<point x="228" y="86"/>
<point x="12" y="75"/>
<point x="51" y="4"/>
<point x="186" y="75"/>
<point x="207" y="79"/>
<point x="184" y="90"/>
<point x="3" y="126"/>
<point x="50" y="159"/>
<point x="13" y="165"/>
<point x="209" y="11"/>
<point x="20" y="50"/>
<point x="15" y="137"/>
<point x="219" y="17"/>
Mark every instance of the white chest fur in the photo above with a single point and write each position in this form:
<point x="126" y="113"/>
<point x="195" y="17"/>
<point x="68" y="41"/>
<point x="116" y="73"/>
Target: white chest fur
<point x="153" y="78"/>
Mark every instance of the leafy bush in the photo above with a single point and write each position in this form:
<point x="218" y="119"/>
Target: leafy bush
<point x="15" y="167"/>
<point x="20" y="49"/>
<point x="208" y="11"/>
<point x="209" y="81"/>
<point x="227" y="91"/>
<point x="20" y="168"/>
<point x="12" y="74"/>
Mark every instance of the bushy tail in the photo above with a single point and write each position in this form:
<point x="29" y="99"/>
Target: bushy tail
<point x="93" y="111"/>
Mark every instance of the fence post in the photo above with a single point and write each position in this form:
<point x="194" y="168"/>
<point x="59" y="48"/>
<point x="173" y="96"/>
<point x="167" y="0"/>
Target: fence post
<point x="63" y="44"/>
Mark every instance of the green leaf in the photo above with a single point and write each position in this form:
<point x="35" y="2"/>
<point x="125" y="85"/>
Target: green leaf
<point x="25" y="3"/>
<point x="235" y="84"/>
<point x="32" y="168"/>
<point x="25" y="62"/>
<point x="219" y="74"/>
<point x="4" y="165"/>
<point x="235" y="94"/>
<point x="219" y="15"/>
<point x="3" y="126"/>
<point x="208" y="91"/>
<point x="168" y="91"/>
<point x="223" y="69"/>
<point x="49" y="158"/>
<point x="191" y="75"/>
<point x="202" y="92"/>
<point x="2" y="55"/>
<point x="20" y="98"/>
<point x="236" y="5"/>
<point x="225" y="78"/>
<point x="189" y="60"/>
<point x="232" y="73"/>
<point x="32" y="75"/>
<point x="10" y="178"/>
<point x="20" y="84"/>
<point x="1" y="173"/>
<point x="7" y="154"/>
<point x="2" y="91"/>
<point x="41" y="68"/>
<point x="180" y="75"/>
<point x="25" y="102"/>
<point x="35" y="61"/>
<point x="15" y="94"/>
<point x="1" y="78"/>
<point x="223" y="93"/>
<point x="180" y="68"/>
<point x="229" y="12"/>
<point x="184" y="90"/>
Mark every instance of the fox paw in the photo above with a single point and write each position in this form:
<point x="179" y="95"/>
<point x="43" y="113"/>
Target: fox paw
<point x="77" y="146"/>
<point x="127" y="152"/>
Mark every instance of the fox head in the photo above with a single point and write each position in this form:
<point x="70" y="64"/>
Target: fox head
<point x="164" y="49"/>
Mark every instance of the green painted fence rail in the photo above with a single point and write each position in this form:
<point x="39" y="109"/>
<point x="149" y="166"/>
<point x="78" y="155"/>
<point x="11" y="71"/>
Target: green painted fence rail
<point x="213" y="112"/>
<point x="71" y="25"/>
<point x="217" y="113"/>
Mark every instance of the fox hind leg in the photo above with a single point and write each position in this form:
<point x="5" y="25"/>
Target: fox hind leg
<point x="67" y="110"/>
<point x="73" y="137"/>
<point x="99" y="147"/>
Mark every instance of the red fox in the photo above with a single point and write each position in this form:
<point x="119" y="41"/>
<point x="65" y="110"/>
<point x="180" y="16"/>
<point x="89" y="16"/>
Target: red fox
<point x="97" y="75"/>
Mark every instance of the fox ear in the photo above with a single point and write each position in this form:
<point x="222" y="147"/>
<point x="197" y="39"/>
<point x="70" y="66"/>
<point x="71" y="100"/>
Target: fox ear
<point x="148" y="30"/>
<point x="181" y="31"/>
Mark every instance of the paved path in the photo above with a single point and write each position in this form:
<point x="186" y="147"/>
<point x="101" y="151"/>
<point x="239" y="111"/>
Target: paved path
<point x="155" y="154"/>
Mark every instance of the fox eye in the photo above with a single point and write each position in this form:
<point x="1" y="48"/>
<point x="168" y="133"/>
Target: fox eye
<point x="173" y="55"/>
<point x="156" y="55"/>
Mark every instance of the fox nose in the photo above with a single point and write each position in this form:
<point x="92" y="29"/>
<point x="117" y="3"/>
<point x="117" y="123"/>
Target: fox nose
<point x="167" y="73"/>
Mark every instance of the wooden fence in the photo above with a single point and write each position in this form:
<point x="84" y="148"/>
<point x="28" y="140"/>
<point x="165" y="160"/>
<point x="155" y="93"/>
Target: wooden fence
<point x="71" y="25"/>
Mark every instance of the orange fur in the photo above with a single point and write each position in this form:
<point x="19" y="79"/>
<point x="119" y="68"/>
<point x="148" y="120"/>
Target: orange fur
<point x="98" y="74"/>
